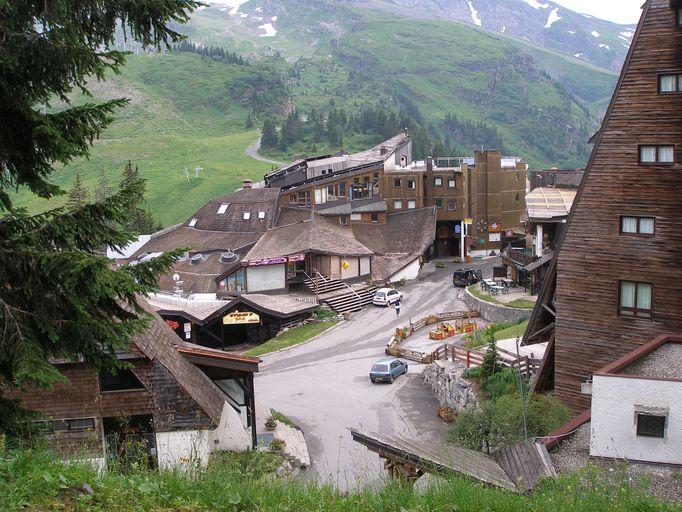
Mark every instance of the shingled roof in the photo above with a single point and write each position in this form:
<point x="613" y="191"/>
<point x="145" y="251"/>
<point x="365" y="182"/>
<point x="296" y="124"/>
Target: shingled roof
<point x="320" y="236"/>
<point x="226" y="213"/>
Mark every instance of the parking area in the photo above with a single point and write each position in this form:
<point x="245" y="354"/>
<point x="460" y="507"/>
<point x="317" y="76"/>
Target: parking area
<point x="324" y="385"/>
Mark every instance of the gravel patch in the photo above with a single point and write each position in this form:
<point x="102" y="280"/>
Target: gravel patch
<point x="574" y="453"/>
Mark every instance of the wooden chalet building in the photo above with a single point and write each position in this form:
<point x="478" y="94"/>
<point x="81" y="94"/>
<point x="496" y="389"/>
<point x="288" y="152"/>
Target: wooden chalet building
<point x="619" y="265"/>
<point x="175" y="404"/>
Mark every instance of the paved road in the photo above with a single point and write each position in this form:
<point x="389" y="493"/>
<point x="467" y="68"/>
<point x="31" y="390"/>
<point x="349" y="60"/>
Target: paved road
<point x="252" y="151"/>
<point x="324" y="386"/>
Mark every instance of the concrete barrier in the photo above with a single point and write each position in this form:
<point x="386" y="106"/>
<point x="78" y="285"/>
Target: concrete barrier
<point x="495" y="313"/>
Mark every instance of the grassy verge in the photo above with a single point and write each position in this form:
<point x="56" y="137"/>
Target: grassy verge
<point x="512" y="331"/>
<point x="38" y="481"/>
<point x="290" y="338"/>
<point x="516" y="303"/>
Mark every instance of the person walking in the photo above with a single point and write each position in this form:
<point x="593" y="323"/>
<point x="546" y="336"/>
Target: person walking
<point x="397" y="307"/>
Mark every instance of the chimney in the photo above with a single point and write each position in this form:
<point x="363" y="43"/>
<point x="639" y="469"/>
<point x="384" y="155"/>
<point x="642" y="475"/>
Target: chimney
<point x="429" y="164"/>
<point x="383" y="150"/>
<point x="247" y="184"/>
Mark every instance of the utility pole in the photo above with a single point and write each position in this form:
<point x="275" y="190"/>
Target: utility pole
<point x="521" y="388"/>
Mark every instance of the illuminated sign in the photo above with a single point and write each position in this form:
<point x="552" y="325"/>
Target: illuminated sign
<point x="241" y="317"/>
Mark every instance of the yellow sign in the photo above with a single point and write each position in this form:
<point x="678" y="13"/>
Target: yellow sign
<point x="345" y="265"/>
<point x="468" y="221"/>
<point x="241" y="317"/>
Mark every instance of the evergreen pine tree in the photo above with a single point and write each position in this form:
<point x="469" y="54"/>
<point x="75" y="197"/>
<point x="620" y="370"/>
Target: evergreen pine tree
<point x="103" y="189"/>
<point x="78" y="194"/>
<point x="58" y="297"/>
<point x="489" y="366"/>
<point x="269" y="138"/>
<point x="249" y="120"/>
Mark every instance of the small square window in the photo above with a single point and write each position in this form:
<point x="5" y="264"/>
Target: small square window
<point x="293" y="199"/>
<point x="411" y="205"/>
<point x="452" y="183"/>
<point x="247" y="215"/>
<point x="651" y="425"/>
<point x="398" y="205"/>
<point x="411" y="184"/>
<point x="261" y="215"/>
<point x="438" y="202"/>
<point x="397" y="183"/>
<point x="193" y="222"/>
<point x="375" y="217"/>
<point x="437" y="182"/>
<point x="223" y="208"/>
<point x="452" y="206"/>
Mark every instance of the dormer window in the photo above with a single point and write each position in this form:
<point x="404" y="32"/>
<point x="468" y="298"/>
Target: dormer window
<point x="261" y="215"/>
<point x="193" y="222"/>
<point x="247" y="215"/>
<point x="223" y="208"/>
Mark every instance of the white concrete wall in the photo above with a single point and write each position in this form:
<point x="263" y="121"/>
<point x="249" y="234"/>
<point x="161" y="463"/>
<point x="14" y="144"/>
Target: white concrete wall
<point x="613" y="425"/>
<point x="230" y="435"/>
<point x="365" y="266"/>
<point x="266" y="277"/>
<point x="409" y="272"/>
<point x="183" y="449"/>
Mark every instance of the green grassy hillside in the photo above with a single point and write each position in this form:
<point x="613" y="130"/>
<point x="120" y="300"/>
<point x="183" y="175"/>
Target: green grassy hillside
<point x="182" y="112"/>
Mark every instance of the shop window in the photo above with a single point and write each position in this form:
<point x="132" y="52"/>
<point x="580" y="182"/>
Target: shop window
<point x="635" y="299"/>
<point x="235" y="281"/>
<point x="123" y="380"/>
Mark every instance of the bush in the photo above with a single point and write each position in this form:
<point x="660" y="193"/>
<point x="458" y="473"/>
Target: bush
<point x="271" y="424"/>
<point x="277" y="445"/>
<point x="324" y="313"/>
<point x="498" y="423"/>
<point x="503" y="382"/>
<point x="472" y="373"/>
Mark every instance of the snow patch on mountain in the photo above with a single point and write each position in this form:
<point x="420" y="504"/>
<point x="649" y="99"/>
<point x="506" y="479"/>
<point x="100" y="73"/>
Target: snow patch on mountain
<point x="536" y="5"/>
<point x="553" y="17"/>
<point x="270" y="31"/>
<point x="504" y="29"/>
<point x="595" y="33"/>
<point x="474" y="14"/>
<point x="602" y="45"/>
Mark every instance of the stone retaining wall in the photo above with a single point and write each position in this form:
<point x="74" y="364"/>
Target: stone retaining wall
<point x="495" y="313"/>
<point x="446" y="381"/>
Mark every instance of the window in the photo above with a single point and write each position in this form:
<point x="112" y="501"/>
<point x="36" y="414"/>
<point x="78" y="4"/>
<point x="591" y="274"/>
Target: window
<point x="411" y="184"/>
<point x="222" y="209"/>
<point x="651" y="424"/>
<point x="438" y="202"/>
<point x="247" y="215"/>
<point x="72" y="425"/>
<point x="343" y="220"/>
<point x="292" y="199"/>
<point x="452" y="183"/>
<point x="356" y="180"/>
<point x="411" y="205"/>
<point x="320" y="195"/>
<point x="374" y="217"/>
<point x="637" y="225"/>
<point x="669" y="83"/>
<point x="656" y="154"/>
<point x="679" y="17"/>
<point x="635" y="299"/>
<point x="518" y="196"/>
<point x="123" y="380"/>
<point x="355" y="216"/>
<point x="342" y="189"/>
<point x="437" y="182"/>
<point x="452" y="206"/>
<point x="193" y="222"/>
<point x="261" y="215"/>
<point x="398" y="205"/>
<point x="397" y="183"/>
<point x="235" y="281"/>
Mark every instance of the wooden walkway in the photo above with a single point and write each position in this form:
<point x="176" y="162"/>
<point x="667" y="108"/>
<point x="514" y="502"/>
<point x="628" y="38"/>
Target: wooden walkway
<point x="518" y="468"/>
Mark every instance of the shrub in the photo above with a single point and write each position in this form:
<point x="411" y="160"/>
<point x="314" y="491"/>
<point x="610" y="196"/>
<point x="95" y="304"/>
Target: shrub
<point x="503" y="382"/>
<point x="497" y="423"/>
<point x="472" y="373"/>
<point x="271" y="424"/>
<point x="489" y="365"/>
<point x="324" y="313"/>
<point x="277" y="445"/>
<point x="440" y="264"/>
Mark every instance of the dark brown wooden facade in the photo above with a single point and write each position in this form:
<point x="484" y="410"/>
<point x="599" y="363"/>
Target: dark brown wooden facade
<point x="592" y="327"/>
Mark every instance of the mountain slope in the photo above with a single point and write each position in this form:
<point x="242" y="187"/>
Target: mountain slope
<point x="544" y="23"/>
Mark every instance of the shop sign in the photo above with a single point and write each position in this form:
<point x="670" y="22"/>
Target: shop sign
<point x="241" y="317"/>
<point x="494" y="227"/>
<point x="277" y="261"/>
<point x="494" y="237"/>
<point x="345" y="265"/>
<point x="173" y="324"/>
<point x="468" y="221"/>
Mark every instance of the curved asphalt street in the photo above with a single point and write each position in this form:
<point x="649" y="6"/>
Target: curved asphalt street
<point x="323" y="385"/>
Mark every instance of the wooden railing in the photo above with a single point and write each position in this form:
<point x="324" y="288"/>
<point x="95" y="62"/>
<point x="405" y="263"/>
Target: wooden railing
<point x="529" y="366"/>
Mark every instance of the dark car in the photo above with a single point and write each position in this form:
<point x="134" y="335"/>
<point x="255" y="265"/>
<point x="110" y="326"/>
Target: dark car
<point x="466" y="277"/>
<point x="387" y="369"/>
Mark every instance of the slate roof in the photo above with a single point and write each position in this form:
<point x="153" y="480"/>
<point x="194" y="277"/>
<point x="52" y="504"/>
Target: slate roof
<point x="371" y="205"/>
<point x="196" y="240"/>
<point x="320" y="236"/>
<point x="232" y="220"/>
<point x="199" y="277"/>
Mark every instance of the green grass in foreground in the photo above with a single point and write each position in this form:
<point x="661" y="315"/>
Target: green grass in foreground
<point x="517" y="303"/>
<point x="512" y="332"/>
<point x="290" y="338"/>
<point x="38" y="481"/>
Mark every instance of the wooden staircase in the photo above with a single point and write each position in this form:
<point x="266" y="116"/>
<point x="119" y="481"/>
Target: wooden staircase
<point x="321" y="285"/>
<point x="352" y="300"/>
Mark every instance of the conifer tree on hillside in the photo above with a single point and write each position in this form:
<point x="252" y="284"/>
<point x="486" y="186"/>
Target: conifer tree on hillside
<point x="269" y="138"/>
<point x="249" y="120"/>
<point x="48" y="50"/>
<point x="78" y="194"/>
<point x="141" y="220"/>
<point x="103" y="189"/>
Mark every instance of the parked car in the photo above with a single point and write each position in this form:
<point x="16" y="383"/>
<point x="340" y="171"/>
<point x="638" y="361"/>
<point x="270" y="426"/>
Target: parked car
<point x="466" y="277"/>
<point x="386" y="296"/>
<point x="387" y="369"/>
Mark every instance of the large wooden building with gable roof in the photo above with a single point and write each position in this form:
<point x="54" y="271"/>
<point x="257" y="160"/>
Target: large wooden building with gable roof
<point x="619" y="264"/>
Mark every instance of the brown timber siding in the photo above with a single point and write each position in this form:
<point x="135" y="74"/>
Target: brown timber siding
<point x="594" y="256"/>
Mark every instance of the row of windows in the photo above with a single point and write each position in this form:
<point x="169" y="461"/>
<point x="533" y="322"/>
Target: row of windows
<point x="438" y="182"/>
<point x="398" y="205"/>
<point x="398" y="183"/>
<point x="71" y="425"/>
<point x="657" y="154"/>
